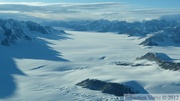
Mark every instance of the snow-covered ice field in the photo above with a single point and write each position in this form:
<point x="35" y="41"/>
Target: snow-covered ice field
<point x="48" y="69"/>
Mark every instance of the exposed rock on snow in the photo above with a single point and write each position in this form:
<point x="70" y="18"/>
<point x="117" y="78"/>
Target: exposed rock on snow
<point x="167" y="37"/>
<point x="12" y="31"/>
<point x="122" y="63"/>
<point x="107" y="87"/>
<point x="162" y="60"/>
<point x="148" y="42"/>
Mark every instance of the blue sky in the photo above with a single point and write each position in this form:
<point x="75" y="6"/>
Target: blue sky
<point x="149" y="3"/>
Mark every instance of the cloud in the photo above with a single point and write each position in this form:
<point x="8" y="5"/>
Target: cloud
<point x="70" y="11"/>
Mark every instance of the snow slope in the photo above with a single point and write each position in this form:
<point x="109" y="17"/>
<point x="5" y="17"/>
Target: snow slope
<point x="49" y="69"/>
<point x="13" y="31"/>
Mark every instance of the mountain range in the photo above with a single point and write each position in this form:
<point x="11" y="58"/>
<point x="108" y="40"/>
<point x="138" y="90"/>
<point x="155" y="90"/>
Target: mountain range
<point x="87" y="64"/>
<point x="155" y="32"/>
<point x="13" y="31"/>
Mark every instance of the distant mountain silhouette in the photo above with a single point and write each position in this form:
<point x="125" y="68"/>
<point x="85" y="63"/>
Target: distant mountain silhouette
<point x="157" y="32"/>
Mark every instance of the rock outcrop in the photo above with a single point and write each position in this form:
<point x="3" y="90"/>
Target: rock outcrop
<point x="107" y="87"/>
<point x="162" y="60"/>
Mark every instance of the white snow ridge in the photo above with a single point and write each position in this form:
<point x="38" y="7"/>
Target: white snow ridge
<point x="79" y="65"/>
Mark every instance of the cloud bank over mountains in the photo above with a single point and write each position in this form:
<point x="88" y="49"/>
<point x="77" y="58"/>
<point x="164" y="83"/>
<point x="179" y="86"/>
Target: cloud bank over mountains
<point x="76" y="11"/>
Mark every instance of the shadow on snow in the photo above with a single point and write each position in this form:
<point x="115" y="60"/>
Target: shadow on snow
<point x="37" y="49"/>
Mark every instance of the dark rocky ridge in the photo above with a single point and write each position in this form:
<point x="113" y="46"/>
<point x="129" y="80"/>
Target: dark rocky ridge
<point x="122" y="63"/>
<point x="168" y="36"/>
<point x="162" y="60"/>
<point x="149" y="42"/>
<point x="107" y="87"/>
<point x="12" y="30"/>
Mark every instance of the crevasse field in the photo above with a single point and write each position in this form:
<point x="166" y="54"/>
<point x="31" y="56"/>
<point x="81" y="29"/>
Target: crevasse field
<point x="42" y="74"/>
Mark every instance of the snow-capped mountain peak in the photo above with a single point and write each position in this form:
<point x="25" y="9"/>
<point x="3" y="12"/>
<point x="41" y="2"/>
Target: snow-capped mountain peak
<point x="12" y="31"/>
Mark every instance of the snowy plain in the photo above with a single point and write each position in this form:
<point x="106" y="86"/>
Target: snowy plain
<point x="49" y="69"/>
